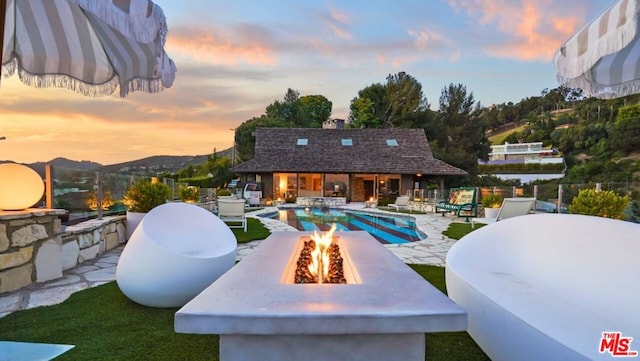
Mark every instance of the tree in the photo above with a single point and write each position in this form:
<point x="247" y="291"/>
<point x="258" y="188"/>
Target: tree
<point x="314" y="110"/>
<point x="245" y="142"/>
<point x="397" y="104"/>
<point x="368" y="109"/>
<point x="405" y="99"/>
<point x="462" y="140"/>
<point x="287" y="110"/>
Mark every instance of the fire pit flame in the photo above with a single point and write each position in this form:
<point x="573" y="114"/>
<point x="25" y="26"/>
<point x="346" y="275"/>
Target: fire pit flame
<point x="320" y="260"/>
<point x="319" y="266"/>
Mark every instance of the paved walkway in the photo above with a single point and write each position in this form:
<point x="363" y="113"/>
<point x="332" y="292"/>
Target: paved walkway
<point x="431" y="251"/>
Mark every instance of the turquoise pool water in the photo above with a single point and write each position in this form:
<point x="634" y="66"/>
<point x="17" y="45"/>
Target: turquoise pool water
<point x="385" y="228"/>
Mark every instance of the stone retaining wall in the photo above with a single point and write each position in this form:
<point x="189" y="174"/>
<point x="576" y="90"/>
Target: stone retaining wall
<point x="35" y="248"/>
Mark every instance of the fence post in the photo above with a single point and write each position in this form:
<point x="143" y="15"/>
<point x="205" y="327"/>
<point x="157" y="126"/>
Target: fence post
<point x="48" y="175"/>
<point x="513" y="191"/>
<point x="535" y="195"/>
<point x="99" y="193"/>
<point x="598" y="187"/>
<point x="559" y="198"/>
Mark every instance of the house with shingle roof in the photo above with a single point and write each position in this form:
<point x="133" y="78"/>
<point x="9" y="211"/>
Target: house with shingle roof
<point x="358" y="164"/>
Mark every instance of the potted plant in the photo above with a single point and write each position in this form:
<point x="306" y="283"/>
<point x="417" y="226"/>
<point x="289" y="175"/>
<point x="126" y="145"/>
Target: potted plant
<point x="189" y="194"/>
<point x="223" y="193"/>
<point x="491" y="204"/>
<point x="141" y="197"/>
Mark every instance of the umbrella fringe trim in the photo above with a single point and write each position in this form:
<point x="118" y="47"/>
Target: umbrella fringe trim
<point x="67" y="82"/>
<point x="144" y="30"/>
<point x="95" y="90"/>
<point x="600" y="91"/>
<point x="59" y="81"/>
<point x="9" y="68"/>
<point x="611" y="43"/>
<point x="145" y="85"/>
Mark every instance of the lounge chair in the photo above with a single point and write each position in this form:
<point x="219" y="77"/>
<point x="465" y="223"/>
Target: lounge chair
<point x="177" y="251"/>
<point x="232" y="212"/>
<point x="511" y="207"/>
<point x="401" y="202"/>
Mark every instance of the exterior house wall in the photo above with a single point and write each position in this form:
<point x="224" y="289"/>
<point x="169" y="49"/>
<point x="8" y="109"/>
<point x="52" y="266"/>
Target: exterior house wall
<point x="406" y="184"/>
<point x="267" y="181"/>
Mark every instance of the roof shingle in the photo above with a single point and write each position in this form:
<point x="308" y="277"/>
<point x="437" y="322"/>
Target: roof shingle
<point x="276" y="150"/>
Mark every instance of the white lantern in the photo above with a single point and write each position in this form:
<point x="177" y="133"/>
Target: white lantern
<point x="20" y="187"/>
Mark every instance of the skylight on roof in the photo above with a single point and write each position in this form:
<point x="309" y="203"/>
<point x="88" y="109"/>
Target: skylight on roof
<point x="302" y="141"/>
<point x="347" y="142"/>
<point x="392" y="142"/>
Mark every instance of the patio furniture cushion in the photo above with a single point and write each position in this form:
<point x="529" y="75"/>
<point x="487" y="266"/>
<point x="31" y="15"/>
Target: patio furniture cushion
<point x="460" y="200"/>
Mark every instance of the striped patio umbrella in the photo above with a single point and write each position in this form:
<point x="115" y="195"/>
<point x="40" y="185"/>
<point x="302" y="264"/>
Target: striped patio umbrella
<point x="603" y="59"/>
<point x="92" y="47"/>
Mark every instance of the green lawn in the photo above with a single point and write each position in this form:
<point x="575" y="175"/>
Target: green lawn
<point x="499" y="138"/>
<point x="105" y="325"/>
<point x="458" y="230"/>
<point x="255" y="231"/>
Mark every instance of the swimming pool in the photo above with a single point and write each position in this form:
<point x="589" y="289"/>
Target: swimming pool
<point x="384" y="227"/>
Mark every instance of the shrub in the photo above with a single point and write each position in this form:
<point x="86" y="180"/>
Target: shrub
<point x="142" y="196"/>
<point x="223" y="192"/>
<point x="189" y="194"/>
<point x="605" y="204"/>
<point x="492" y="201"/>
<point x="92" y="200"/>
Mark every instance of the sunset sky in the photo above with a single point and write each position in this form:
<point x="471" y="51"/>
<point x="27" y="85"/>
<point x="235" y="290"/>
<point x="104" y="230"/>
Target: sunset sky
<point x="235" y="58"/>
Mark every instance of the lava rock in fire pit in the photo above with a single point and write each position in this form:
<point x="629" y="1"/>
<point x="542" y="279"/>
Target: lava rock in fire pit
<point x="303" y="273"/>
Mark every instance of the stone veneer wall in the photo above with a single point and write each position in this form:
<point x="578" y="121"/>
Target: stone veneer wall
<point x="35" y="248"/>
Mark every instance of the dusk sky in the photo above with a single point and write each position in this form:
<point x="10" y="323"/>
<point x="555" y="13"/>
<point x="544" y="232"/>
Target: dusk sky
<point x="235" y="58"/>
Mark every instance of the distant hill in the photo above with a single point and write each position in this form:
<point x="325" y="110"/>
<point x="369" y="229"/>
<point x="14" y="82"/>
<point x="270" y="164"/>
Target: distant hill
<point x="144" y="166"/>
<point x="160" y="163"/>
<point x="157" y="163"/>
<point x="83" y="165"/>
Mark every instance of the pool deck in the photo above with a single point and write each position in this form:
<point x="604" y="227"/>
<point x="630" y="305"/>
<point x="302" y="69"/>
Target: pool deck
<point x="432" y="251"/>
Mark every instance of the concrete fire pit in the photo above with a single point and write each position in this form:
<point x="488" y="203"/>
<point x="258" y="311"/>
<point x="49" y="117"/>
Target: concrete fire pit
<point x="382" y="314"/>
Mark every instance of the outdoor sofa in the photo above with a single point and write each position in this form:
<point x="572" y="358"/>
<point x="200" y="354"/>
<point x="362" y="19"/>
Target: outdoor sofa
<point x="549" y="287"/>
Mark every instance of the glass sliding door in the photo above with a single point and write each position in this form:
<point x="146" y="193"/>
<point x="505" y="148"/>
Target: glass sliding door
<point x="336" y="185"/>
<point x="285" y="185"/>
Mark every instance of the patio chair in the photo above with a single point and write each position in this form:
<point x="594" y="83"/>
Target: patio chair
<point x="232" y="212"/>
<point x="511" y="207"/>
<point x="401" y="202"/>
<point x="177" y="251"/>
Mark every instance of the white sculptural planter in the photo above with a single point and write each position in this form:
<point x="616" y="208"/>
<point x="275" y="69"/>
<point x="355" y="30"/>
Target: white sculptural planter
<point x="175" y="252"/>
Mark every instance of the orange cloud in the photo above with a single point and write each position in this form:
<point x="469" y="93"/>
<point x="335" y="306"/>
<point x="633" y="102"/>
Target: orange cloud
<point x="428" y="39"/>
<point x="337" y="22"/>
<point x="220" y="48"/>
<point x="537" y="27"/>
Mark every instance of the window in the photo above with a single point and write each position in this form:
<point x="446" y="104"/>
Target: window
<point x="302" y="141"/>
<point x="392" y="142"/>
<point x="347" y="142"/>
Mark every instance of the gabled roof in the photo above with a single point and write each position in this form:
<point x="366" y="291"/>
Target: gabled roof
<point x="277" y="150"/>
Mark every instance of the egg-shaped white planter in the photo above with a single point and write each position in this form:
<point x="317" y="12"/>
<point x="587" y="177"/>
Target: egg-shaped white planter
<point x="177" y="251"/>
<point x="20" y="187"/>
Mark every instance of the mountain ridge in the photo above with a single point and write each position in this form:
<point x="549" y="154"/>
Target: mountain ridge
<point x="148" y="165"/>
